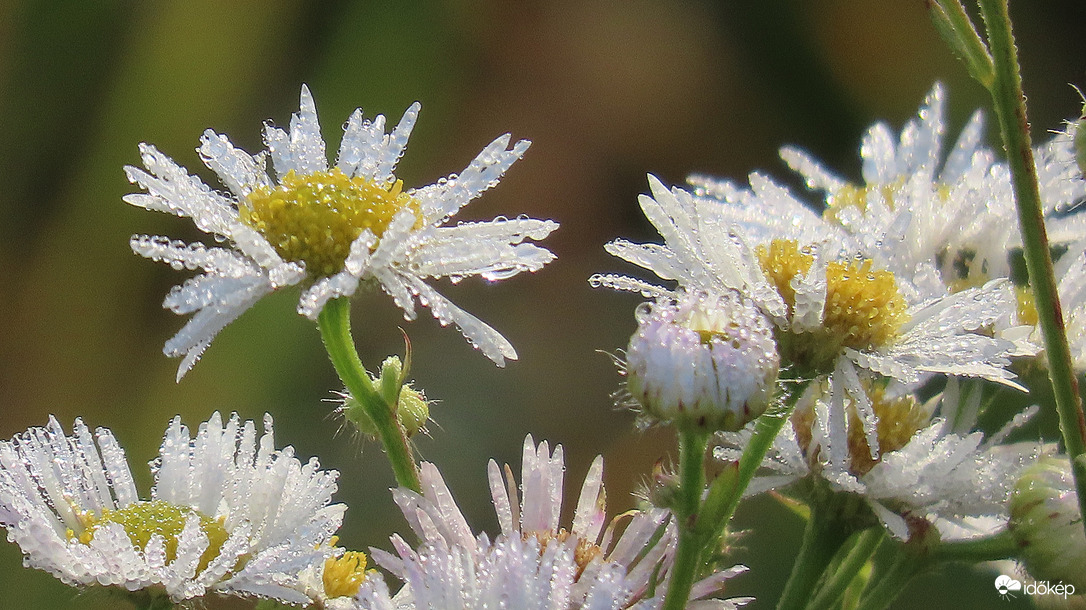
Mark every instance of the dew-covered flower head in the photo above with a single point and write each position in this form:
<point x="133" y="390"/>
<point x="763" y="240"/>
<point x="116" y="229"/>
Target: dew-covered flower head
<point x="926" y="459"/>
<point x="329" y="228"/>
<point x="702" y="361"/>
<point x="535" y="562"/>
<point x="228" y="513"/>
<point x="838" y="315"/>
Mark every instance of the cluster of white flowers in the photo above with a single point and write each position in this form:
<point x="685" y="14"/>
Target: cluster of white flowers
<point x="839" y="319"/>
<point x="902" y="277"/>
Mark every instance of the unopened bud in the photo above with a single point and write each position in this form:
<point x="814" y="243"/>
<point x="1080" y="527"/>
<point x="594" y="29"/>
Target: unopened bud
<point x="1045" y="522"/>
<point x="703" y="361"/>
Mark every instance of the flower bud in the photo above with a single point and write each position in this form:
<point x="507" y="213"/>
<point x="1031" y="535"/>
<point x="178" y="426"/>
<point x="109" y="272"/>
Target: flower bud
<point x="1045" y="522"/>
<point x="413" y="410"/>
<point x="663" y="488"/>
<point x="702" y="361"/>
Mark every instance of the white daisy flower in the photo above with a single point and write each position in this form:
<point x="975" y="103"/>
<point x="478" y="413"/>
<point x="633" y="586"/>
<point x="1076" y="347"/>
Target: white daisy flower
<point x="934" y="468"/>
<point x="333" y="584"/>
<point x="840" y="318"/>
<point x="940" y="223"/>
<point x="533" y="563"/>
<point x="228" y="513"/>
<point x="523" y="574"/>
<point x="329" y="228"/>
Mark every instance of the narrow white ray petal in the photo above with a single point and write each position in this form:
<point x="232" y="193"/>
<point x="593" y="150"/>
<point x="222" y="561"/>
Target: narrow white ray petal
<point x="395" y="144"/>
<point x="307" y="150"/>
<point x="443" y="200"/>
<point x="479" y="335"/>
<point x="238" y="170"/>
<point x="325" y="289"/>
<point x="817" y="176"/>
<point x="878" y="153"/>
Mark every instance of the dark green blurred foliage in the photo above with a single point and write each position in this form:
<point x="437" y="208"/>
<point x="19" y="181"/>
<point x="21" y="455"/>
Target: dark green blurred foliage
<point x="607" y="91"/>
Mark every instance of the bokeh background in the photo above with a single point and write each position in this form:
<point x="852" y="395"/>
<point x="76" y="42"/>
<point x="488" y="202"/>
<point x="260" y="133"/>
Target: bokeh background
<point x="606" y="90"/>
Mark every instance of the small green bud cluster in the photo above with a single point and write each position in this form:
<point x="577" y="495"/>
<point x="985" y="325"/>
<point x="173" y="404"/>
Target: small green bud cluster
<point x="412" y="408"/>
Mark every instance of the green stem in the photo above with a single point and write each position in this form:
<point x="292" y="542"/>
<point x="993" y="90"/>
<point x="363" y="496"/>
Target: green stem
<point x="911" y="558"/>
<point x="864" y="547"/>
<point x="824" y="535"/>
<point x="766" y="429"/>
<point x="978" y="550"/>
<point x="143" y="600"/>
<point x="1010" y="110"/>
<point x="957" y="30"/>
<point x="335" y="326"/>
<point x="692" y="446"/>
<point x="891" y="584"/>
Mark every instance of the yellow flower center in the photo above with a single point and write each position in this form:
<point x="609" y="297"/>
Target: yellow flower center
<point x="313" y="218"/>
<point x="583" y="554"/>
<point x="344" y="575"/>
<point x="863" y="310"/>
<point x="899" y="419"/>
<point x="863" y="307"/>
<point x="781" y="261"/>
<point x="852" y="196"/>
<point x="142" y="520"/>
<point x="1027" y="307"/>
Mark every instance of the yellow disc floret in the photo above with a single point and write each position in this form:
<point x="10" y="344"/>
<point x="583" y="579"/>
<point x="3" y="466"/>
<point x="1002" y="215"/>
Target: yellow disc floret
<point x="899" y="419"/>
<point x="781" y="261"/>
<point x="141" y="520"/>
<point x="852" y="196"/>
<point x="344" y="575"/>
<point x="863" y="306"/>
<point x="1027" y="307"/>
<point x="863" y="309"/>
<point x="313" y="218"/>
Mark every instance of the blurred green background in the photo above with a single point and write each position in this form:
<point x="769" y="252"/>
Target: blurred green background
<point x="606" y="90"/>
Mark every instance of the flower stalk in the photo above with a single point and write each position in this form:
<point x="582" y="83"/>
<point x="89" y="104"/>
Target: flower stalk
<point x="864" y="546"/>
<point x="378" y="403"/>
<point x="692" y="445"/>
<point x="701" y="524"/>
<point x="766" y="428"/>
<point x="1010" y="109"/>
<point x="978" y="550"/>
<point x="827" y="530"/>
<point x="995" y="66"/>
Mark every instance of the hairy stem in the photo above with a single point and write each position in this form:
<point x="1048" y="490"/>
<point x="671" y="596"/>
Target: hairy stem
<point x="692" y="446"/>
<point x="824" y="535"/>
<point x="335" y="326"/>
<point x="1010" y="110"/>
